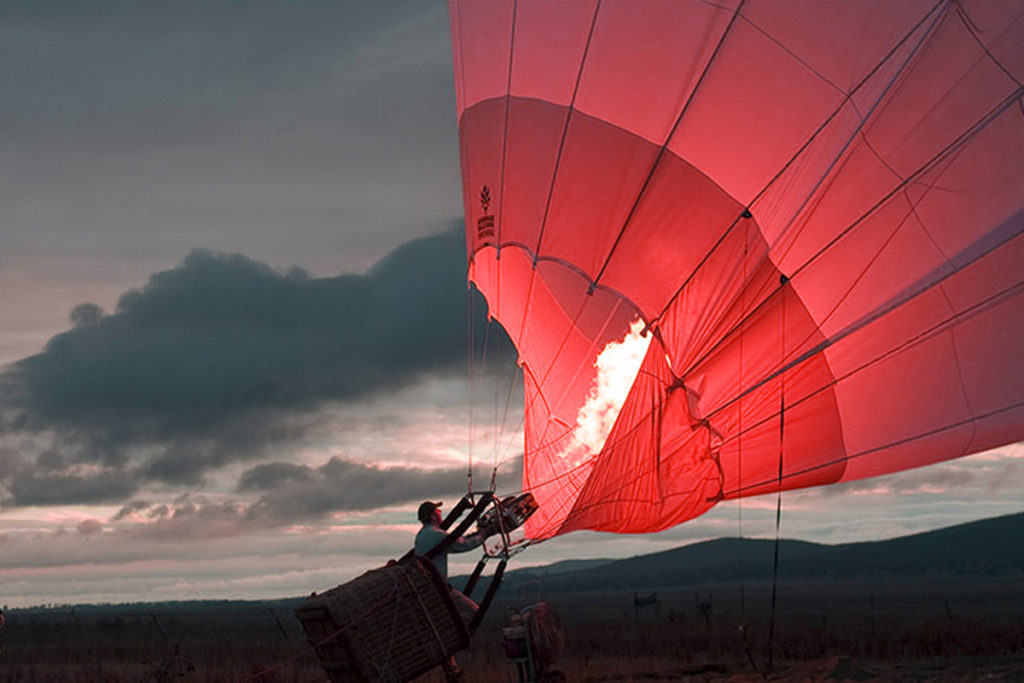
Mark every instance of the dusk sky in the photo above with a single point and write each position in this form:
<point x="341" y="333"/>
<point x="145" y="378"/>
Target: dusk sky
<point x="233" y="300"/>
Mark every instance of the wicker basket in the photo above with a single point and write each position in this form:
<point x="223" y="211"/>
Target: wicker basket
<point x="390" y="624"/>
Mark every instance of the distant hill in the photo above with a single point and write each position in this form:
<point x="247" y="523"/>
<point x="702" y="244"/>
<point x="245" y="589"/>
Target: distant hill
<point x="986" y="548"/>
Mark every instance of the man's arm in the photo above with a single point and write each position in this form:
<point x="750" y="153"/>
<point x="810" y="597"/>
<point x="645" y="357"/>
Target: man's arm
<point x="468" y="542"/>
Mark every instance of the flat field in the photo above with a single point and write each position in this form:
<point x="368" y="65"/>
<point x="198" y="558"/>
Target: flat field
<point x="937" y="628"/>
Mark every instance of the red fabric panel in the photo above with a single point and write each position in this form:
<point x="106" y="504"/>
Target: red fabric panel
<point x="643" y="65"/>
<point x="995" y="330"/>
<point x="980" y="186"/>
<point x="600" y="174"/>
<point x="924" y="380"/>
<point x="549" y="45"/>
<point x="909" y="393"/>
<point x="600" y="171"/>
<point x="733" y="280"/>
<point x="554" y="485"/>
<point x="749" y="356"/>
<point x="679" y="219"/>
<point x="999" y="26"/>
<point x="837" y="177"/>
<point x="951" y="441"/>
<point x="534" y="133"/>
<point x="948" y="88"/>
<point x="752" y="113"/>
<point x="843" y="41"/>
<point x="856" y="279"/>
<point x="481" y="42"/>
<point x="833" y="186"/>
<point x="655" y="470"/>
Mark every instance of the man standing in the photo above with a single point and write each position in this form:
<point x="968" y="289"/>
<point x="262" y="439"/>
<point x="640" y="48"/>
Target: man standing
<point x="431" y="534"/>
<point x="428" y="537"/>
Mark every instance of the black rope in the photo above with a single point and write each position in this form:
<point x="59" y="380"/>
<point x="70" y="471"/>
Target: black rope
<point x="471" y="372"/>
<point x="498" y="454"/>
<point x="778" y="500"/>
<point x="739" y="482"/>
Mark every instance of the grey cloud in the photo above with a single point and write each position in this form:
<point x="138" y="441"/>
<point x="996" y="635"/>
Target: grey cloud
<point x="290" y="493"/>
<point x="342" y="485"/>
<point x="89" y="527"/>
<point x="952" y="476"/>
<point x="51" y="460"/>
<point x="129" y="508"/>
<point x="191" y="517"/>
<point x="85" y="314"/>
<point x="10" y="462"/>
<point x="1007" y="476"/>
<point x="301" y="493"/>
<point x="266" y="477"/>
<point x="32" y="487"/>
<point x="195" y="517"/>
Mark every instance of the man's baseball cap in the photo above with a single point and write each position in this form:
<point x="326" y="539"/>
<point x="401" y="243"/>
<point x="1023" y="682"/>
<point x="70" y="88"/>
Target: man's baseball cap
<point x="426" y="510"/>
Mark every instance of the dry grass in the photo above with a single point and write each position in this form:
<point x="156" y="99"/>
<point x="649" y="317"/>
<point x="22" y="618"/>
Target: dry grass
<point x="941" y="629"/>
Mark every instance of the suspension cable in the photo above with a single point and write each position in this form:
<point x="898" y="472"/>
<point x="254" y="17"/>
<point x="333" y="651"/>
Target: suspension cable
<point x="778" y="497"/>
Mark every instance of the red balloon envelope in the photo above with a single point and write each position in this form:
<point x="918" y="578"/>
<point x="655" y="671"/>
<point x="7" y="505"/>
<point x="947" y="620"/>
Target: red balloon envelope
<point x="745" y="245"/>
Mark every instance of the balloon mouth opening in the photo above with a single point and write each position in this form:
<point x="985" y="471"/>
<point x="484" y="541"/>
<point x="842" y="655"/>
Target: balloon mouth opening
<point x="617" y="366"/>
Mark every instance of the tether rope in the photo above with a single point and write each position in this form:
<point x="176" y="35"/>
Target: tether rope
<point x="470" y="356"/>
<point x="778" y="497"/>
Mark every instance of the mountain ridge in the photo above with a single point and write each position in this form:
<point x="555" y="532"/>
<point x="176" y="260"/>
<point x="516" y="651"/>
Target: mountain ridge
<point x="988" y="547"/>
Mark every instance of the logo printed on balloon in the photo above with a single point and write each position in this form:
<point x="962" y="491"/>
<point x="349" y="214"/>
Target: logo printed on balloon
<point x="485" y="224"/>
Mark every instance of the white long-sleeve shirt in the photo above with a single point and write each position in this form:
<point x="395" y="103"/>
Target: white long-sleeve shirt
<point x="431" y="534"/>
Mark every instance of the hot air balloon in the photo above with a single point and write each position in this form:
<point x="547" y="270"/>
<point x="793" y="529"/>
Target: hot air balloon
<point x="744" y="246"/>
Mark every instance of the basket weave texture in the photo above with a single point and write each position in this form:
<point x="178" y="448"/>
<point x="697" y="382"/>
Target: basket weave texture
<point x="390" y="624"/>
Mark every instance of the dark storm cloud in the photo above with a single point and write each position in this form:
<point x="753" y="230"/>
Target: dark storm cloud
<point x="220" y="358"/>
<point x="34" y="487"/>
<point x="223" y="334"/>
